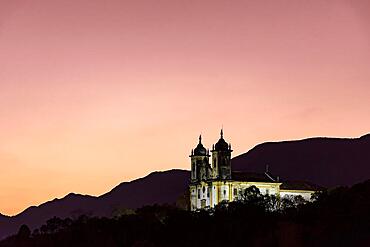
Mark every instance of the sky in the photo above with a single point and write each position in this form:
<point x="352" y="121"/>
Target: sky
<point x="94" y="93"/>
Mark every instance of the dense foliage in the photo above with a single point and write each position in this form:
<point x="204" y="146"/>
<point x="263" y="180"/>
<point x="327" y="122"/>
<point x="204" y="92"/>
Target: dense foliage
<point x="340" y="217"/>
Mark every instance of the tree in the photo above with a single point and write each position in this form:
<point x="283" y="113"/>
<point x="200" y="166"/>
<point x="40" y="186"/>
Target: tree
<point x="251" y="194"/>
<point x="290" y="202"/>
<point x="24" y="232"/>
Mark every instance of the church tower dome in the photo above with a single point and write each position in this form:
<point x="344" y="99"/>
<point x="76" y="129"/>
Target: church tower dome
<point x="221" y="159"/>
<point x="221" y="145"/>
<point x="200" y="150"/>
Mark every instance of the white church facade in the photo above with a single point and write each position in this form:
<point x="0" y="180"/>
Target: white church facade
<point x="216" y="182"/>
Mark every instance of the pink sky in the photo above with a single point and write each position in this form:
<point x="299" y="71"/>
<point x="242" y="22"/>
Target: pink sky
<point x="94" y="93"/>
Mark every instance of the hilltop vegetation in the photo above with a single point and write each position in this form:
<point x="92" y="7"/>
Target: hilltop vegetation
<point x="339" y="217"/>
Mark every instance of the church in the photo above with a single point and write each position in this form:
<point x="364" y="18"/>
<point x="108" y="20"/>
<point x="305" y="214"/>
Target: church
<point x="213" y="183"/>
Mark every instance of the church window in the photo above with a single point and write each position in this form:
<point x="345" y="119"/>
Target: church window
<point x="235" y="191"/>
<point x="224" y="192"/>
<point x="204" y="189"/>
<point x="208" y="192"/>
<point x="198" y="193"/>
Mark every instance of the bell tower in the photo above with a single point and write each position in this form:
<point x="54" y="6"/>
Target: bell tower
<point x="200" y="168"/>
<point x="221" y="159"/>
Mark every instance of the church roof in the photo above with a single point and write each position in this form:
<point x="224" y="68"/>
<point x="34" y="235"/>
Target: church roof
<point x="268" y="178"/>
<point x="252" y="177"/>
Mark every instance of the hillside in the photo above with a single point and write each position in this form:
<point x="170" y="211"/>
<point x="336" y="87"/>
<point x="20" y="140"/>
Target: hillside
<point x="324" y="161"/>
<point x="3" y="218"/>
<point x="157" y="187"/>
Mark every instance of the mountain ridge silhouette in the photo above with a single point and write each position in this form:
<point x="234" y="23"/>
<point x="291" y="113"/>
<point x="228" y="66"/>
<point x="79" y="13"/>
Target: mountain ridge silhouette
<point x="314" y="159"/>
<point x="121" y="196"/>
<point x="326" y="161"/>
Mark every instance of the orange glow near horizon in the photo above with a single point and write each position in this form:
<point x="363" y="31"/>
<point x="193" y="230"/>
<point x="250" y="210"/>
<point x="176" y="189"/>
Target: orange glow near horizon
<point x="94" y="93"/>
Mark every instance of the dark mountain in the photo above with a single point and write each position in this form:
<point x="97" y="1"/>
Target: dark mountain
<point x="3" y="218"/>
<point x="157" y="187"/>
<point x="324" y="161"/>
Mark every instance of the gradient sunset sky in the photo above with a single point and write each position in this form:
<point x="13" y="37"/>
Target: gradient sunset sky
<point x="94" y="93"/>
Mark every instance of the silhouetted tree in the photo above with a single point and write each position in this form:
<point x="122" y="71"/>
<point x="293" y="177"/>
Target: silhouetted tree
<point x="24" y="232"/>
